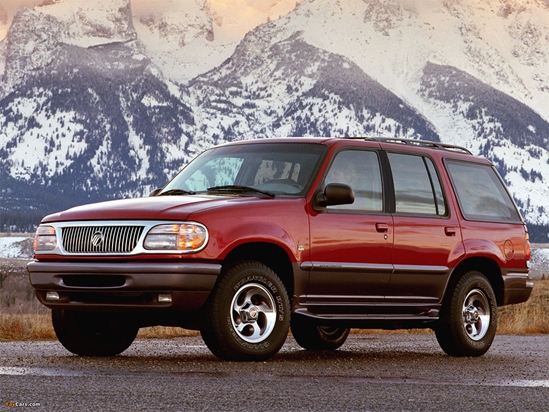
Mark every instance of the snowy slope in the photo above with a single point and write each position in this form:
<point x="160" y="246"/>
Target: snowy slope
<point x="504" y="44"/>
<point x="86" y="24"/>
<point x="3" y="54"/>
<point x="490" y="123"/>
<point x="91" y="100"/>
<point x="16" y="247"/>
<point x="291" y="88"/>
<point x="39" y="33"/>
<point x="179" y="37"/>
<point x="190" y="37"/>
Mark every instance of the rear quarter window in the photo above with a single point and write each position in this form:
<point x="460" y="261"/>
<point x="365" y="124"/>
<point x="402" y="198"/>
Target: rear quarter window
<point x="481" y="193"/>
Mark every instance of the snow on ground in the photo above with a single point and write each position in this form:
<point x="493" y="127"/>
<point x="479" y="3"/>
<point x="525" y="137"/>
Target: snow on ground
<point x="14" y="247"/>
<point x="539" y="264"/>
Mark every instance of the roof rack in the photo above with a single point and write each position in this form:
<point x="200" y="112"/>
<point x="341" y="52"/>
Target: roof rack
<point x="413" y="142"/>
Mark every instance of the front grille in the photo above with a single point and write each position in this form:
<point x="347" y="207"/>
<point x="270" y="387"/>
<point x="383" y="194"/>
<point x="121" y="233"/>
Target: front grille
<point x="101" y="239"/>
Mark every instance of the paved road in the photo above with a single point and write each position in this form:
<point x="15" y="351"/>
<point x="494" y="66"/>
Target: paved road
<point x="369" y="373"/>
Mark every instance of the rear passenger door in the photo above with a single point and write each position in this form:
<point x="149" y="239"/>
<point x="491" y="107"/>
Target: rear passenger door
<point x="351" y="245"/>
<point x="427" y="237"/>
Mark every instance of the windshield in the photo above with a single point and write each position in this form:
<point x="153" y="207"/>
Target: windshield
<point x="250" y="169"/>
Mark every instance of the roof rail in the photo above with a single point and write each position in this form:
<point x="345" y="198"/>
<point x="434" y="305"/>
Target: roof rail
<point x="424" y="143"/>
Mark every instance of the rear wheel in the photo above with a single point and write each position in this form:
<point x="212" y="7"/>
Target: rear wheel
<point x="93" y="334"/>
<point x="469" y="317"/>
<point x="315" y="337"/>
<point x="248" y="314"/>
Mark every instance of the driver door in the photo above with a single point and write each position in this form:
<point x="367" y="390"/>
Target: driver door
<point x="351" y="245"/>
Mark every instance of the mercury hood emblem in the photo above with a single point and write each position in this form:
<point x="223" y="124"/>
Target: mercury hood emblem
<point x="97" y="238"/>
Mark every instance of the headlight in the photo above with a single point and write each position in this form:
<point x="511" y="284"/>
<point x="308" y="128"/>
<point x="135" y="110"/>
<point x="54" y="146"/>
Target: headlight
<point x="185" y="237"/>
<point x="45" y="239"/>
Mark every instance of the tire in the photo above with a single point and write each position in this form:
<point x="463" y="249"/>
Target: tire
<point x="316" y="337"/>
<point x="93" y="334"/>
<point x="468" y="320"/>
<point x="248" y="314"/>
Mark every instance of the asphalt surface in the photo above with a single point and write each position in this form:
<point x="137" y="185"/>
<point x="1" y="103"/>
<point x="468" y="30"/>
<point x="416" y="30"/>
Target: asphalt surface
<point x="369" y="373"/>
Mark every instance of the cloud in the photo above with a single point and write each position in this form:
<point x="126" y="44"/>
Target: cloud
<point x="12" y="6"/>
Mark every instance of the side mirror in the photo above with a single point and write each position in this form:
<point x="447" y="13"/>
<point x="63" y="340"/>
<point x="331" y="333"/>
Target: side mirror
<point x="155" y="192"/>
<point x="336" y="194"/>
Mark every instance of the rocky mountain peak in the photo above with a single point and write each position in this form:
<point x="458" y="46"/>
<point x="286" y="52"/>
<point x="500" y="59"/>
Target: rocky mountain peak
<point x="88" y="24"/>
<point x="177" y="25"/>
<point x="36" y="35"/>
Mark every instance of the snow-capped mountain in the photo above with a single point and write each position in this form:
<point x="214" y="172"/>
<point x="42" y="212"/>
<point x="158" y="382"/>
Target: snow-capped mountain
<point x="103" y="100"/>
<point x="271" y="89"/>
<point x="82" y="109"/>
<point x="179" y="37"/>
<point x="36" y="35"/>
<point x="190" y="37"/>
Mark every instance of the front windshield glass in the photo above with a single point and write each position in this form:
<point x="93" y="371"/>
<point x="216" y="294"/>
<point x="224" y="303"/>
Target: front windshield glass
<point x="275" y="168"/>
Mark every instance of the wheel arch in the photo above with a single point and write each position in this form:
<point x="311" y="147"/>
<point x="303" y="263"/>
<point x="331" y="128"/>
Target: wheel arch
<point x="271" y="255"/>
<point x="488" y="267"/>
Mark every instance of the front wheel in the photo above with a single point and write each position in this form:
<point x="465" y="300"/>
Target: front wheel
<point x="316" y="337"/>
<point x="248" y="314"/>
<point x="93" y="334"/>
<point x="469" y="317"/>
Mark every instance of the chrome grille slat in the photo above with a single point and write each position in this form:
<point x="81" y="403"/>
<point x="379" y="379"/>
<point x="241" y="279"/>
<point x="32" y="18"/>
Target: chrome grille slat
<point x="124" y="237"/>
<point x="108" y="239"/>
<point x="121" y="235"/>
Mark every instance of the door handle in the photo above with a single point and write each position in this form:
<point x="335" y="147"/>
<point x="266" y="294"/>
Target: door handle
<point x="382" y="227"/>
<point x="450" y="231"/>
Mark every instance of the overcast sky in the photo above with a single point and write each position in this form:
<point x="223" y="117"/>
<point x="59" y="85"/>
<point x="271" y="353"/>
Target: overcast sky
<point x="238" y="16"/>
<point x="12" y="6"/>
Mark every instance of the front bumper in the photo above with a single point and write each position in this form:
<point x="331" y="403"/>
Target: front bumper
<point x="124" y="287"/>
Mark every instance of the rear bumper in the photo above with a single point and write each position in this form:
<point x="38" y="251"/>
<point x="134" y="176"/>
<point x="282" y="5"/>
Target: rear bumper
<point x="124" y="287"/>
<point x="517" y="287"/>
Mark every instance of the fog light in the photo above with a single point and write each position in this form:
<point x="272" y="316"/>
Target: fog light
<point x="52" y="296"/>
<point x="164" y="297"/>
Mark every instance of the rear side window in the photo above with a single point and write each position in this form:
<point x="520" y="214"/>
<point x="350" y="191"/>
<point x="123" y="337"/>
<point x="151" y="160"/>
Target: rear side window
<point x="417" y="186"/>
<point x="481" y="193"/>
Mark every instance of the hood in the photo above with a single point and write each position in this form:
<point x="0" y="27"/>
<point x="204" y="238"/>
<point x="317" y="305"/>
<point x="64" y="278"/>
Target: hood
<point x="148" y="208"/>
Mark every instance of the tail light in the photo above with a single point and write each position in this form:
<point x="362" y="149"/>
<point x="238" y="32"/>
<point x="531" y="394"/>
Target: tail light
<point x="527" y="249"/>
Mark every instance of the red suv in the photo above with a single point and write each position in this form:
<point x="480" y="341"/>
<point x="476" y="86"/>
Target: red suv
<point x="317" y="234"/>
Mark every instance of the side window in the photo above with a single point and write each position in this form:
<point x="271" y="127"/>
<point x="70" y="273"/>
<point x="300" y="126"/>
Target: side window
<point x="417" y="186"/>
<point x="437" y="187"/>
<point x="481" y="193"/>
<point x="360" y="170"/>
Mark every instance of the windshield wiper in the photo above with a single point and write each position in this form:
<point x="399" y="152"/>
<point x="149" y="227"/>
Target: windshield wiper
<point x="240" y="189"/>
<point x="176" y="192"/>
